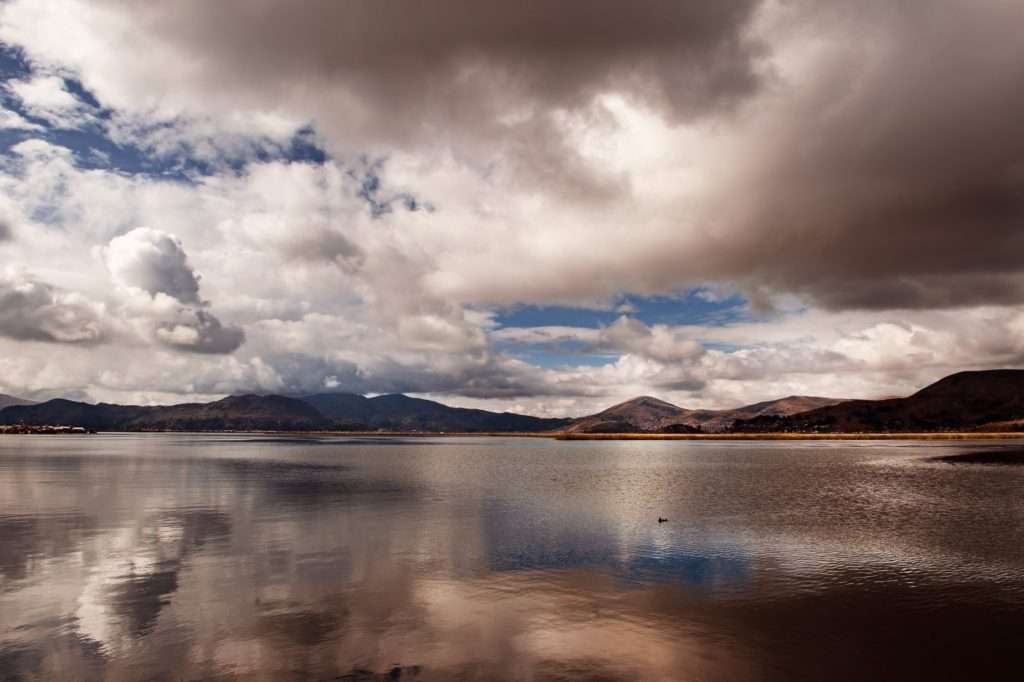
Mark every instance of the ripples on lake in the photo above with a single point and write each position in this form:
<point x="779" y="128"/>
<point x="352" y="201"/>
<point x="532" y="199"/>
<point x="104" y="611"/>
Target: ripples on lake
<point x="176" y="557"/>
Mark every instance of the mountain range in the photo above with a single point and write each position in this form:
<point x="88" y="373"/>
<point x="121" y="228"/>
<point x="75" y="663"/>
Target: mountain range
<point x="338" y="411"/>
<point x="965" y="401"/>
<point x="651" y="415"/>
<point x="992" y="400"/>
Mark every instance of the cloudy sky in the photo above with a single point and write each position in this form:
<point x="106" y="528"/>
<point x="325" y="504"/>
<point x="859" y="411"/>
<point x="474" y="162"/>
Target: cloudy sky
<point x="529" y="205"/>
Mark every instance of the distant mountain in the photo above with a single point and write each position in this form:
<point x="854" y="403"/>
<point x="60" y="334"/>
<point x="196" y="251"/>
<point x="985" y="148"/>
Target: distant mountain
<point x="234" y="413"/>
<point x="959" y="402"/>
<point x="714" y="421"/>
<point x="60" y="412"/>
<point x="8" y="400"/>
<point x="396" y="412"/>
<point x="350" y="408"/>
<point x="335" y="411"/>
<point x="639" y="415"/>
<point x="650" y="415"/>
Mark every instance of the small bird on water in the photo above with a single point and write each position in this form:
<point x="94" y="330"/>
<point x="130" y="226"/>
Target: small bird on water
<point x="662" y="520"/>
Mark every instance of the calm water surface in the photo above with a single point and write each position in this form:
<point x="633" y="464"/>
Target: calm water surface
<point x="178" y="557"/>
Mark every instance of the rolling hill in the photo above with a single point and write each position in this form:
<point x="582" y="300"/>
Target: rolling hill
<point x="651" y="415"/>
<point x="347" y="412"/>
<point x="397" y="412"/>
<point x="960" y="402"/>
<point x="639" y="415"/>
<point x="965" y="401"/>
<point x="246" y="412"/>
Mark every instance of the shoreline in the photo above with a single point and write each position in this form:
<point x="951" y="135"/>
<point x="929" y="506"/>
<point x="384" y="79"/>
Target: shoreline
<point x="782" y="436"/>
<point x="993" y="435"/>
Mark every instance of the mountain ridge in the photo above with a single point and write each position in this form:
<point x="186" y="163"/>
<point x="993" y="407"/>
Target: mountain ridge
<point x="399" y="412"/>
<point x="645" y="414"/>
<point x="963" y="401"/>
<point x="250" y="412"/>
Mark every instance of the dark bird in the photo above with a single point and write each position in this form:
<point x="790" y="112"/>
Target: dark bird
<point x="662" y="520"/>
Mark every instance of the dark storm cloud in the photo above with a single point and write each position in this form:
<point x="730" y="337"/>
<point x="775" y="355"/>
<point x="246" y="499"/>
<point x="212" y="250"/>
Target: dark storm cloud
<point x="480" y="75"/>
<point x="691" y="56"/>
<point x="897" y="178"/>
<point x="893" y="177"/>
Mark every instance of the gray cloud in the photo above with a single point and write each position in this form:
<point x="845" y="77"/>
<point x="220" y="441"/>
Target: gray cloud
<point x="896" y="179"/>
<point x="860" y="156"/>
<point x="5" y="231"/>
<point x="36" y="311"/>
<point x="489" y="78"/>
<point x="450" y="56"/>
<point x="200" y="332"/>
<point x="880" y="173"/>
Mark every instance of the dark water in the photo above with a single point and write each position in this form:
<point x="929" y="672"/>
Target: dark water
<point x="174" y="557"/>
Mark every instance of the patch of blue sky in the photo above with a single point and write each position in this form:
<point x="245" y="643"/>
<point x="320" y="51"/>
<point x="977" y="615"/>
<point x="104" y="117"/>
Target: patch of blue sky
<point x="694" y="307"/>
<point x="553" y="356"/>
<point x="722" y="346"/>
<point x="93" y="148"/>
<point x="13" y="63"/>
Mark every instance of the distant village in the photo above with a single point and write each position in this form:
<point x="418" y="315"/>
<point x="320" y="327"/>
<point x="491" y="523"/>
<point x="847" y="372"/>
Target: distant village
<point x="25" y="428"/>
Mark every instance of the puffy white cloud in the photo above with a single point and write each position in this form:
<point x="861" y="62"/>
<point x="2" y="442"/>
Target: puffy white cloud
<point x="660" y="342"/>
<point x="154" y="262"/>
<point x="12" y="120"/>
<point x="46" y="97"/>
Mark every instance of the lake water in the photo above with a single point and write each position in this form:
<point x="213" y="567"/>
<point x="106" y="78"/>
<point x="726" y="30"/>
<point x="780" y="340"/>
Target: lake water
<point x="181" y="557"/>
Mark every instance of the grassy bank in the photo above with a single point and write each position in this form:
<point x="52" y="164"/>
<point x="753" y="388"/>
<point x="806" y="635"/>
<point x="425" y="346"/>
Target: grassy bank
<point x="790" y="436"/>
<point x="1006" y="435"/>
<point x="1013" y="435"/>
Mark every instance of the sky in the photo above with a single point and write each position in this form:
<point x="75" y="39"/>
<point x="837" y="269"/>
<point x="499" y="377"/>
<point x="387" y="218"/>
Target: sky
<point x="529" y="206"/>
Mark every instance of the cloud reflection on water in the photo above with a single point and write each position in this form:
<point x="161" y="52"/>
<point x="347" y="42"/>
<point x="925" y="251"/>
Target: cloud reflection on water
<point x="148" y="559"/>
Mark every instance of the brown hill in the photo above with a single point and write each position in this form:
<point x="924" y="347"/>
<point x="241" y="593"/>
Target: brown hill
<point x="716" y="421"/>
<point x="650" y="415"/>
<point x="960" y="402"/>
<point x="639" y="415"/>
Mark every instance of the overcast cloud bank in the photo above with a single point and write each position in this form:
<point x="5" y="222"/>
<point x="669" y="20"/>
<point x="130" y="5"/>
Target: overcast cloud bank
<point x="854" y="172"/>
